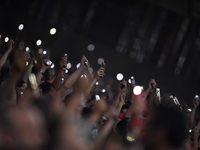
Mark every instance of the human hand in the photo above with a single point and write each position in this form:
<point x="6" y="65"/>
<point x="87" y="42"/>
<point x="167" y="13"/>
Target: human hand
<point x="122" y="99"/>
<point x="100" y="73"/>
<point x="83" y="61"/>
<point x="152" y="84"/>
<point x="11" y="45"/>
<point x="122" y="86"/>
<point x="196" y="133"/>
<point x="44" y="67"/>
<point x="63" y="63"/>
<point x="194" y="103"/>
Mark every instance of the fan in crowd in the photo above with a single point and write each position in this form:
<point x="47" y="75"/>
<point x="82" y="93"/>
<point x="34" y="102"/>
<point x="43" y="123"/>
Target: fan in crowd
<point x="63" y="113"/>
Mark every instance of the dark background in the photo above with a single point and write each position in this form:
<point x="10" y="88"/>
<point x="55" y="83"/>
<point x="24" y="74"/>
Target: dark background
<point x="157" y="39"/>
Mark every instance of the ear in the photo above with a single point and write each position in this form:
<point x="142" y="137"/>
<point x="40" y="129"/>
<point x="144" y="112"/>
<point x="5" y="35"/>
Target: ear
<point x="115" y="130"/>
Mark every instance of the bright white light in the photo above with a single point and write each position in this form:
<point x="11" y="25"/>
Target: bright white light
<point x="132" y="77"/>
<point x="40" y="51"/>
<point x="137" y="90"/>
<point x="81" y="76"/>
<point x="21" y="27"/>
<point x="100" y="61"/>
<point x="53" y="31"/>
<point x="78" y="65"/>
<point x="38" y="42"/>
<point x="27" y="49"/>
<point x="6" y="39"/>
<point x="120" y="76"/>
<point x="97" y="97"/>
<point x="97" y="83"/>
<point x="129" y="81"/>
<point x="189" y="109"/>
<point x="103" y="90"/>
<point x="190" y="130"/>
<point x="66" y="71"/>
<point x="91" y="47"/>
<point x="69" y="65"/>
<point x="62" y="79"/>
<point x="44" y="52"/>
<point x="52" y="66"/>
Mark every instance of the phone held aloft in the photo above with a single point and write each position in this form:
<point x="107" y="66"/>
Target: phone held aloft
<point x="47" y="63"/>
<point x="103" y="65"/>
<point x="66" y="57"/>
<point x="197" y="97"/>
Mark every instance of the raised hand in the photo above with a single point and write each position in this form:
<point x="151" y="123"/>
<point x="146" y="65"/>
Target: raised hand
<point x="122" y="86"/>
<point x="11" y="45"/>
<point x="83" y="60"/>
<point x="152" y="84"/>
<point x="100" y="73"/>
<point x="63" y="63"/>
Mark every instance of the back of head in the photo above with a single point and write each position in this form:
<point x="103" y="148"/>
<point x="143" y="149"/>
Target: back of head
<point x="46" y="87"/>
<point x="172" y="122"/>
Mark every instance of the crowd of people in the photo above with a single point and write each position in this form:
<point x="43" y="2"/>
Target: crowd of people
<point x="38" y="113"/>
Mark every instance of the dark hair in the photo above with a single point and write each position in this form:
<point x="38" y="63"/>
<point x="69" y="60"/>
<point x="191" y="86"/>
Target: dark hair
<point x="46" y="87"/>
<point x="86" y="112"/>
<point x="126" y="106"/>
<point x="172" y="120"/>
<point x="122" y="127"/>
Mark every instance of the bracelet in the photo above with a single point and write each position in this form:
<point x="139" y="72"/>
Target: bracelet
<point x="41" y="71"/>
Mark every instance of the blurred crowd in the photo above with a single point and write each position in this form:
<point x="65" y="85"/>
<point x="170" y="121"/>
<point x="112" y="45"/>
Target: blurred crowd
<point x="64" y="112"/>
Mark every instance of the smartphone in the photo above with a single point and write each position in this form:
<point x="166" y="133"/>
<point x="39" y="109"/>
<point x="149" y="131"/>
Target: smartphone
<point x="158" y="94"/>
<point x="132" y="80"/>
<point x="86" y="63"/>
<point x="191" y="133"/>
<point x="103" y="65"/>
<point x="197" y="97"/>
<point x="66" y="56"/>
<point x="48" y="63"/>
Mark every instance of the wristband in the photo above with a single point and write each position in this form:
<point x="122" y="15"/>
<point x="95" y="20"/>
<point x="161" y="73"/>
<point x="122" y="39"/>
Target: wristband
<point x="41" y="71"/>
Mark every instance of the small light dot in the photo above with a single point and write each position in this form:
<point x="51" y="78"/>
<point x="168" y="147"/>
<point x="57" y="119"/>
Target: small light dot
<point x="91" y="47"/>
<point x="69" y="65"/>
<point x="66" y="71"/>
<point x="97" y="83"/>
<point x="38" y="42"/>
<point x="44" y="52"/>
<point x="21" y="27"/>
<point x="120" y="76"/>
<point x="40" y="51"/>
<point x="137" y="90"/>
<point x="100" y="61"/>
<point x="78" y="65"/>
<point x="129" y="81"/>
<point x="52" y="66"/>
<point x="103" y="90"/>
<point x="53" y="31"/>
<point x="27" y="48"/>
<point x="6" y="39"/>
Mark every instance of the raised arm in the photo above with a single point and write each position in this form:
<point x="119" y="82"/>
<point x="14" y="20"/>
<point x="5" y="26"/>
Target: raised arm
<point x="5" y="55"/>
<point x="41" y="71"/>
<point x="194" y="104"/>
<point x="61" y="92"/>
<point x="94" y="80"/>
<point x="57" y="80"/>
<point x="28" y="72"/>
<point x="152" y="84"/>
<point x="121" y="89"/>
